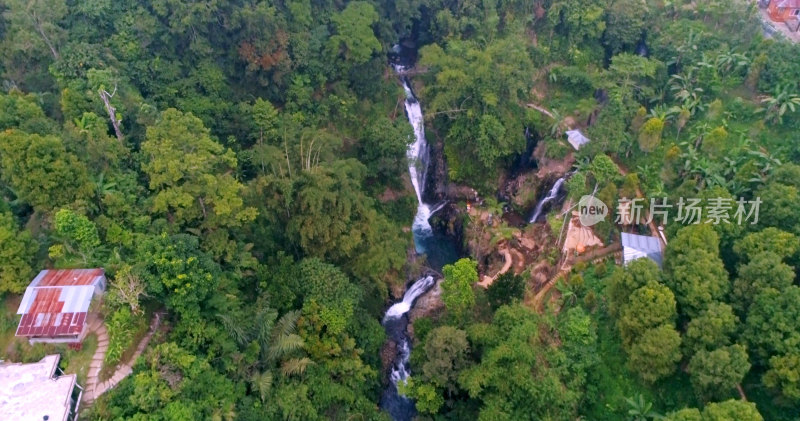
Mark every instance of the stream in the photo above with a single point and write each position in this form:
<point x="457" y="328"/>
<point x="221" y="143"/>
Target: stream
<point x="437" y="248"/>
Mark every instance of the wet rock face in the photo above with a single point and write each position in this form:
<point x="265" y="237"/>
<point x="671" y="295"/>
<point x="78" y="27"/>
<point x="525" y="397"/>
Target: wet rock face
<point x="428" y="304"/>
<point x="437" y="181"/>
<point x="388" y="352"/>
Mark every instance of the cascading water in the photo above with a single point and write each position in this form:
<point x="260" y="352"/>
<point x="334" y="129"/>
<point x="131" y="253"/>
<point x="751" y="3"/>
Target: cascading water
<point x="551" y="195"/>
<point x="395" y="322"/>
<point x="418" y="157"/>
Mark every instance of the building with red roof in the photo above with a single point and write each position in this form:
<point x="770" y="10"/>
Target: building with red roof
<point x="56" y="303"/>
<point x="783" y="10"/>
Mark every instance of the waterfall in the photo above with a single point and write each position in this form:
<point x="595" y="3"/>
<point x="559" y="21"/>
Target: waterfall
<point x="417" y="288"/>
<point x="395" y="321"/>
<point x="418" y="159"/>
<point x="400" y="369"/>
<point x="551" y="195"/>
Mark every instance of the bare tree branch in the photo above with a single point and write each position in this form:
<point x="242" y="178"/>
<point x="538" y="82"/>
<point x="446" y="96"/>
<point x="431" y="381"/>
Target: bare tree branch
<point x="38" y="25"/>
<point x="541" y="110"/>
<point x="129" y="288"/>
<point x="112" y="112"/>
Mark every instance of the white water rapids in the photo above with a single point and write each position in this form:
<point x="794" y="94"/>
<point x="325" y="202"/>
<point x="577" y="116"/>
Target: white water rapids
<point x="395" y="322"/>
<point x="415" y="290"/>
<point x="551" y="195"/>
<point x="418" y="157"/>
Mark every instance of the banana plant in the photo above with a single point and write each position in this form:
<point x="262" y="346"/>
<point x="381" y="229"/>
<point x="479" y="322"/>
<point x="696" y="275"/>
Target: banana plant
<point x="777" y="104"/>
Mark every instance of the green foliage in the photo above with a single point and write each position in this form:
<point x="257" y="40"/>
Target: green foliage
<point x="427" y="399"/>
<point x="446" y="350"/>
<point x="255" y="138"/>
<point x="576" y="186"/>
<point x="354" y="34"/>
<point x="41" y="172"/>
<point x="474" y="92"/>
<point x="783" y="376"/>
<point x="24" y="112"/>
<point x="650" y="134"/>
<point x="717" y="372"/>
<point x="625" y="21"/>
<point x="686" y="414"/>
<point x="695" y="272"/>
<point x="648" y="307"/>
<point x="17" y="249"/>
<point x="325" y="285"/>
<point x="457" y="293"/>
<point x="655" y="353"/>
<point x="121" y="327"/>
<point x="770" y="239"/>
<point x="422" y="327"/>
<point x="505" y="289"/>
<point x="604" y="170"/>
<point x="731" y="410"/>
<point x="521" y="374"/>
<point x="771" y="328"/>
<point x="78" y="233"/>
<point x="190" y="174"/>
<point x="764" y="270"/>
<point x="712" y="328"/>
<point x="384" y="148"/>
<point x="623" y="282"/>
<point x="176" y="271"/>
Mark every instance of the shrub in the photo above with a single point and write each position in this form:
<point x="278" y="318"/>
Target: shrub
<point x="121" y="327"/>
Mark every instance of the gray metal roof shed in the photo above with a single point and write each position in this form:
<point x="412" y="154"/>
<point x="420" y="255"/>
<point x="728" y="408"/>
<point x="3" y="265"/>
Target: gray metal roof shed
<point x="639" y="246"/>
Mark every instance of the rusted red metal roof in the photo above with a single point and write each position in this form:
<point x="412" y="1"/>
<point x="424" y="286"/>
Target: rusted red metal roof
<point x="65" y="277"/>
<point x="57" y="301"/>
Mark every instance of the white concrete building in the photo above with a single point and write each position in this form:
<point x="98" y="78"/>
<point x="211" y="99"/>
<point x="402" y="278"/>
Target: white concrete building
<point x="38" y="391"/>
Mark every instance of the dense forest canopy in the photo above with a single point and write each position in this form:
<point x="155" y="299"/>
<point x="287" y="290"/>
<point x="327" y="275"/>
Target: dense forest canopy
<point x="241" y="166"/>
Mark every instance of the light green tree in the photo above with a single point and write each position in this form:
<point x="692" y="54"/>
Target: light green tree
<point x="354" y="38"/>
<point x="655" y="354"/>
<point x="17" y="252"/>
<point x="731" y="410"/>
<point x="191" y="175"/>
<point x="650" y="134"/>
<point x="457" y="293"/>
<point x="717" y="372"/>
<point x="648" y="307"/>
<point x="41" y="172"/>
<point x="783" y="376"/>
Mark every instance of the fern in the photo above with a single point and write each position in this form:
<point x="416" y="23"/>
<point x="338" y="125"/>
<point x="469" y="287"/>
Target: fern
<point x="295" y="366"/>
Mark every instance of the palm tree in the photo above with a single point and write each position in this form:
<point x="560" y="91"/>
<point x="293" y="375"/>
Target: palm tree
<point x="640" y="409"/>
<point x="83" y="124"/>
<point x="687" y="47"/>
<point x="778" y="103"/>
<point x="277" y="339"/>
<point x="728" y="62"/>
<point x="663" y="112"/>
<point x="684" y="89"/>
<point x="567" y="291"/>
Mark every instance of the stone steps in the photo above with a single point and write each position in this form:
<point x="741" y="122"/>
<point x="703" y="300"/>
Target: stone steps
<point x="95" y="388"/>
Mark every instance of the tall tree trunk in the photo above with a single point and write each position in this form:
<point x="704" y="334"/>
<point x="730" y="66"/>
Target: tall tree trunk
<point x="46" y="39"/>
<point x="112" y="112"/>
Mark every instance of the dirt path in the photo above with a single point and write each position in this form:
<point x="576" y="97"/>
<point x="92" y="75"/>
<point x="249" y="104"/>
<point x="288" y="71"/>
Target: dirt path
<point x="537" y="302"/>
<point x="653" y="229"/>
<point x="487" y="280"/>
<point x="94" y="387"/>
